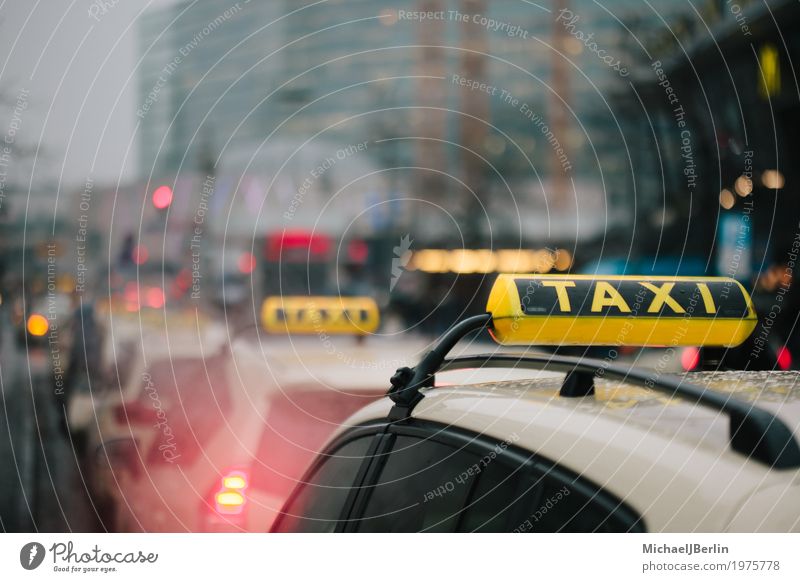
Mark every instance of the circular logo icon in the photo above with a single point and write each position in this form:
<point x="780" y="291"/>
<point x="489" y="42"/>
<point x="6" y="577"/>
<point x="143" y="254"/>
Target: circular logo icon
<point x="31" y="555"/>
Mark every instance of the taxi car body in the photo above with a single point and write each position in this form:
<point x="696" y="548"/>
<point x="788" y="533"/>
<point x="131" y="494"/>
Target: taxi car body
<point x="603" y="448"/>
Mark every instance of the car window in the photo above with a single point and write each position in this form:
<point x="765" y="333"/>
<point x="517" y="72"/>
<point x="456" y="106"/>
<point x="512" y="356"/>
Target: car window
<point x="423" y="487"/>
<point x="318" y="504"/>
<point x="297" y="424"/>
<point x="495" y="499"/>
<point x="557" y="503"/>
<point x="428" y="485"/>
<point x="529" y="496"/>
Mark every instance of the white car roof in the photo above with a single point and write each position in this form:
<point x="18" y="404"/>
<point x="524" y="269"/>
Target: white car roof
<point x="669" y="459"/>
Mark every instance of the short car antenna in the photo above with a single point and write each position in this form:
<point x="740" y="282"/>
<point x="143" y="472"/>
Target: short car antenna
<point x="407" y="382"/>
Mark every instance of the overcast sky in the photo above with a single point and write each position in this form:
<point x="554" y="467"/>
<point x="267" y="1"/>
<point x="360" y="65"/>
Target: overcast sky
<point x="79" y="72"/>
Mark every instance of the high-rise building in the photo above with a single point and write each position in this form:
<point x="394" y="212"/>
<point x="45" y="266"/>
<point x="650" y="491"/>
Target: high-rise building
<point x="528" y="86"/>
<point x="204" y="71"/>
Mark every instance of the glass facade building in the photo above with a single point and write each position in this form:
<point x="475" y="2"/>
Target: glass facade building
<point x="261" y="81"/>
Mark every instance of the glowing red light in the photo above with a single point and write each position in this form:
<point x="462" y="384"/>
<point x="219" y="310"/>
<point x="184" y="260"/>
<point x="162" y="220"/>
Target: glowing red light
<point x="784" y="358"/>
<point x="282" y="245"/>
<point x="140" y="254"/>
<point x="131" y="292"/>
<point x="162" y="197"/>
<point x="357" y="251"/>
<point x="155" y="297"/>
<point x="246" y="263"/>
<point x="230" y="498"/>
<point x="690" y="358"/>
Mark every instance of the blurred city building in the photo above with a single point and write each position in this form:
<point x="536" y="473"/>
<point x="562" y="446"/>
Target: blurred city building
<point x="716" y="103"/>
<point x="498" y="108"/>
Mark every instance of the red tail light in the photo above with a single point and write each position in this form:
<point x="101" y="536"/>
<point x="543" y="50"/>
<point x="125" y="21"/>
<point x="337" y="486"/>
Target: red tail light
<point x="690" y="358"/>
<point x="230" y="497"/>
<point x="784" y="358"/>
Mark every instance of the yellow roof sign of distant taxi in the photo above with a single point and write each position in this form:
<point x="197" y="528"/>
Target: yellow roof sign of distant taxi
<point x="317" y="315"/>
<point x="619" y="310"/>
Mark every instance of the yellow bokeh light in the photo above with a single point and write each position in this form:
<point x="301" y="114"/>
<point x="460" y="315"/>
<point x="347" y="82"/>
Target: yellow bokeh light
<point x="483" y="261"/>
<point x="769" y="81"/>
<point x="234" y="482"/>
<point x="563" y="260"/>
<point x="463" y="262"/>
<point x="230" y="498"/>
<point x="726" y="199"/>
<point x="37" y="325"/>
<point x="743" y="186"/>
<point x="430" y="261"/>
<point x="773" y="179"/>
<point x="542" y="261"/>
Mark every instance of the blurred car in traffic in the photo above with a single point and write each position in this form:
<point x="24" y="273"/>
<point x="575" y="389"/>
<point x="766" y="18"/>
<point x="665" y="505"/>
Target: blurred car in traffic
<point x="216" y="440"/>
<point x="140" y="352"/>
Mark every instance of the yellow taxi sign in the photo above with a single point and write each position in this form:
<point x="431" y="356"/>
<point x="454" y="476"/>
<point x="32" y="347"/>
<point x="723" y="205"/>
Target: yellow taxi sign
<point x="318" y="315"/>
<point x="619" y="310"/>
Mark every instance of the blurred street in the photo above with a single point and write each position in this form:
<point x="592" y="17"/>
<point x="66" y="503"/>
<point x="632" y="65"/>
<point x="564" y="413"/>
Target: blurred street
<point x="227" y="228"/>
<point x="43" y="488"/>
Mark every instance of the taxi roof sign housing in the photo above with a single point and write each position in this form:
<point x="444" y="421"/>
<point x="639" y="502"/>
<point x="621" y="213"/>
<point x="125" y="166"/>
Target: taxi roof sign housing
<point x="619" y="310"/>
<point x="320" y="315"/>
<point x="754" y="432"/>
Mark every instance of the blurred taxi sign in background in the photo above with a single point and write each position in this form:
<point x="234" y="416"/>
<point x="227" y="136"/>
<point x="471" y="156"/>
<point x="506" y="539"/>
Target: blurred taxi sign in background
<point x="317" y="315"/>
<point x="619" y="310"/>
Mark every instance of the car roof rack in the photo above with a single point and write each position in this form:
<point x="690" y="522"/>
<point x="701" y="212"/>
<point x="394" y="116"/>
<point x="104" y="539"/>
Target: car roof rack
<point x="754" y="432"/>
